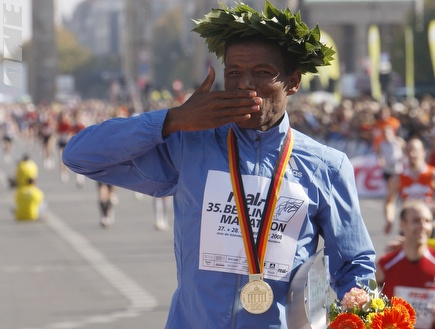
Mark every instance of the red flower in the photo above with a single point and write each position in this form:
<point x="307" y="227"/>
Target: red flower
<point x="347" y="321"/>
<point x="404" y="307"/>
<point x="391" y="318"/>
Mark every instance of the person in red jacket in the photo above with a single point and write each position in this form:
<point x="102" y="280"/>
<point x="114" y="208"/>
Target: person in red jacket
<point x="417" y="181"/>
<point x="409" y="271"/>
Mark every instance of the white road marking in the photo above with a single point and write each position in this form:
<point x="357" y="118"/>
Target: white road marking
<point x="138" y="297"/>
<point x="140" y="300"/>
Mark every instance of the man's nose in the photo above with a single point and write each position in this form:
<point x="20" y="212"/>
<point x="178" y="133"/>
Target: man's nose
<point x="246" y="81"/>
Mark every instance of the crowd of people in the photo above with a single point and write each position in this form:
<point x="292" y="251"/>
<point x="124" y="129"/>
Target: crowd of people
<point x="355" y="126"/>
<point x="351" y="125"/>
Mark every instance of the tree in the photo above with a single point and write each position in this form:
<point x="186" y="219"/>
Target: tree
<point x="170" y="61"/>
<point x="94" y="77"/>
<point x="71" y="55"/>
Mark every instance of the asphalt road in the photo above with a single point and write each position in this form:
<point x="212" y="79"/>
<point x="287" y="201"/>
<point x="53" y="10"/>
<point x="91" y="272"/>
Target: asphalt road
<point x="68" y="272"/>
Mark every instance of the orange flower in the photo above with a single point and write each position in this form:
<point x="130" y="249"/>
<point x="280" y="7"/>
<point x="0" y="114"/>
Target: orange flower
<point x="391" y="318"/>
<point x="347" y="321"/>
<point x="404" y="307"/>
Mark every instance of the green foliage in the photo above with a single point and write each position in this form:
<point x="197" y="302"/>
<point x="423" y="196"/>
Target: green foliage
<point x="71" y="55"/>
<point x="170" y="61"/>
<point x="283" y="26"/>
<point x="93" y="78"/>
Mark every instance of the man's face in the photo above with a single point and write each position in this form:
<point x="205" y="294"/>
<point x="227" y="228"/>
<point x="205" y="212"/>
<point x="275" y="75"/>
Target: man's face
<point x="417" y="225"/>
<point x="416" y="153"/>
<point x="260" y="67"/>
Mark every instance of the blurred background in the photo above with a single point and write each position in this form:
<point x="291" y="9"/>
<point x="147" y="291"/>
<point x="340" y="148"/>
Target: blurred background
<point x="95" y="48"/>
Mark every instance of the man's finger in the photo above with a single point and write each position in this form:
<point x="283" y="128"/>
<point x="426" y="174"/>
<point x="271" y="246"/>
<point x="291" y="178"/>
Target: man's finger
<point x="207" y="83"/>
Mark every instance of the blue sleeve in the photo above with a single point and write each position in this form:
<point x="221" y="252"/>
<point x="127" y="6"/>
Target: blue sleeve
<point x="347" y="241"/>
<point x="125" y="152"/>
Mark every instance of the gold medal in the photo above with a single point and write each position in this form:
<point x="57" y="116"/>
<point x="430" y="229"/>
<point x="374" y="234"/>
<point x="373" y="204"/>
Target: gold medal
<point x="256" y="296"/>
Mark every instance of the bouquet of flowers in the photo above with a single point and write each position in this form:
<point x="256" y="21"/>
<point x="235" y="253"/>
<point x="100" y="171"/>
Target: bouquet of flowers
<point x="368" y="308"/>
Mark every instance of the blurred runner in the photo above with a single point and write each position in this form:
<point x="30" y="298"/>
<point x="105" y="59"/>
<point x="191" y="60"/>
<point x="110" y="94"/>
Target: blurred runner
<point x="7" y="136"/>
<point x="409" y="271"/>
<point x="106" y="200"/>
<point x="391" y="155"/>
<point x="416" y="182"/>
<point x="64" y="133"/>
<point x="78" y="125"/>
<point x="47" y="131"/>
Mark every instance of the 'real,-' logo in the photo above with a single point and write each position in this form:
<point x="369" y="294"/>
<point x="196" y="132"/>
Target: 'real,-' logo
<point x="286" y="208"/>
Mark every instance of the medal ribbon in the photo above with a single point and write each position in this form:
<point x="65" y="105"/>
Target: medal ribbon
<point x="256" y="250"/>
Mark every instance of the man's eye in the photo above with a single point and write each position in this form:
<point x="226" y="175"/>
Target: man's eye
<point x="263" y="73"/>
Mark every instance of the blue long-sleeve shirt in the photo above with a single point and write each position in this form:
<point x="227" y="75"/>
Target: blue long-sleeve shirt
<point x="318" y="199"/>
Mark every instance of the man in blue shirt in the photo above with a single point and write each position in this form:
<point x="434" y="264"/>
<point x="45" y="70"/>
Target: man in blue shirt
<point x="252" y="197"/>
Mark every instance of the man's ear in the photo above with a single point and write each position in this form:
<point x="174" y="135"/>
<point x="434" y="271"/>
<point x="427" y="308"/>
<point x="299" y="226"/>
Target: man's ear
<point x="294" y="79"/>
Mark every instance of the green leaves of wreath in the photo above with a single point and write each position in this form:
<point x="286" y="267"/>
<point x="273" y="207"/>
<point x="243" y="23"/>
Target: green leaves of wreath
<point x="283" y="26"/>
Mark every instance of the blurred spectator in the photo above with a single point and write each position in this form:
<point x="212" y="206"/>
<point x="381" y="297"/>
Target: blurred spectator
<point x="384" y="119"/>
<point x="391" y="154"/>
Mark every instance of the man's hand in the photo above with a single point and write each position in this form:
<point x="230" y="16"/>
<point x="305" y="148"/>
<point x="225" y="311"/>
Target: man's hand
<point x="207" y="109"/>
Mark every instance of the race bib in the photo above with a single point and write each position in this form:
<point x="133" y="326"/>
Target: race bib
<point x="221" y="244"/>
<point x="422" y="300"/>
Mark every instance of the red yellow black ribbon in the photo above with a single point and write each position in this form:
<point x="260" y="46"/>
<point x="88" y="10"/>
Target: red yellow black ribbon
<point x="256" y="250"/>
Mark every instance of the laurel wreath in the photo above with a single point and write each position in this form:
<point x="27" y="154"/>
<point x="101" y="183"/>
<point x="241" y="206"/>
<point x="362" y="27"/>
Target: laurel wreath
<point x="283" y="26"/>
